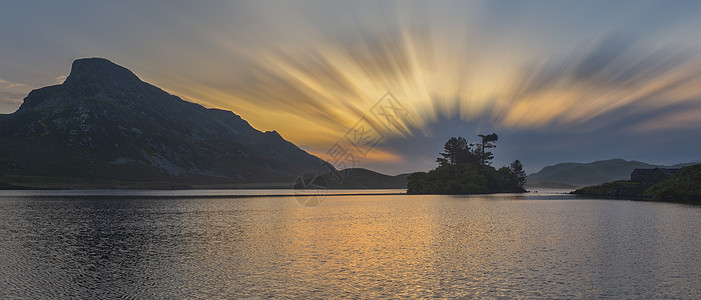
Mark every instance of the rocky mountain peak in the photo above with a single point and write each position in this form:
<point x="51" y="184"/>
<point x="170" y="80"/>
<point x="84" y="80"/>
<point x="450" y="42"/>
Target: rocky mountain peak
<point x="88" y="71"/>
<point x="104" y="123"/>
<point x="90" y="78"/>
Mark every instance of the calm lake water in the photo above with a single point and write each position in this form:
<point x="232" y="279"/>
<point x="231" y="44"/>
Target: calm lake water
<point x="373" y="246"/>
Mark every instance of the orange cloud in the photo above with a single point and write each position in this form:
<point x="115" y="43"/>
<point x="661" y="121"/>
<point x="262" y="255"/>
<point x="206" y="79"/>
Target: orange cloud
<point x="373" y="156"/>
<point x="313" y="94"/>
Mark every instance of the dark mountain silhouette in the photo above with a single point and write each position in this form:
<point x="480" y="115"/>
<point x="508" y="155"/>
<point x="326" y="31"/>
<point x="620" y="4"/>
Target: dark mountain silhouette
<point x="682" y="186"/>
<point x="359" y="178"/>
<point x="585" y="174"/>
<point x="659" y="184"/>
<point x="104" y="126"/>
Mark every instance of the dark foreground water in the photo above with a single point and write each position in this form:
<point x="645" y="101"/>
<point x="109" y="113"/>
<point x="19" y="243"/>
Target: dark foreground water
<point x="350" y="246"/>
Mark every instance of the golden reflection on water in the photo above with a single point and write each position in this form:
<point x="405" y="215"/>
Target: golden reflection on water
<point x="350" y="246"/>
<point x="372" y="254"/>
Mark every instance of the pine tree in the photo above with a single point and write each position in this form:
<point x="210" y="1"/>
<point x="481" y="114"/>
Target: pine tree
<point x="519" y="175"/>
<point x="457" y="151"/>
<point x="488" y="141"/>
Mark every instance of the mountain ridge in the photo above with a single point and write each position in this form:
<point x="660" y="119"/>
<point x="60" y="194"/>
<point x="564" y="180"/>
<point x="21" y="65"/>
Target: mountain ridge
<point x="592" y="173"/>
<point x="105" y="123"/>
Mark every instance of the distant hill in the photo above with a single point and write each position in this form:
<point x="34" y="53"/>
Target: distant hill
<point x="674" y="185"/>
<point x="104" y="127"/>
<point x="594" y="173"/>
<point x="684" y="186"/>
<point x="358" y="178"/>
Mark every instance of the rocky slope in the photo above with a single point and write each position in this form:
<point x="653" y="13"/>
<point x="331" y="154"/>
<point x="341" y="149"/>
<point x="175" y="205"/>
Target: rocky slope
<point x="104" y="125"/>
<point x="674" y="185"/>
<point x="683" y="186"/>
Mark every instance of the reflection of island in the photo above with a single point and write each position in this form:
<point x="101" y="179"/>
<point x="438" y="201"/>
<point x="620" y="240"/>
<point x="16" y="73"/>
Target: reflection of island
<point x="677" y="185"/>
<point x="466" y="170"/>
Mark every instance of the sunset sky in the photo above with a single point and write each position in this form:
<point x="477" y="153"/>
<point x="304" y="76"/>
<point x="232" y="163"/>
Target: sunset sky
<point x="557" y="80"/>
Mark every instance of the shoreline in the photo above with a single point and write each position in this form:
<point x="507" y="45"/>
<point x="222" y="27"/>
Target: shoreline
<point x="193" y="193"/>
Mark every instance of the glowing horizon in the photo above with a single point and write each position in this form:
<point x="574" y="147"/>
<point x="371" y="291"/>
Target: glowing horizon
<point x="311" y="70"/>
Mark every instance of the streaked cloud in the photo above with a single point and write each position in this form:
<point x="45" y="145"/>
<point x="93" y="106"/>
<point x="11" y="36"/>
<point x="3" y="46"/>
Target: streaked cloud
<point x="375" y="156"/>
<point x="311" y="70"/>
<point x="60" y="79"/>
<point x="613" y="73"/>
<point x="12" y="94"/>
<point x="677" y="120"/>
<point x="4" y="84"/>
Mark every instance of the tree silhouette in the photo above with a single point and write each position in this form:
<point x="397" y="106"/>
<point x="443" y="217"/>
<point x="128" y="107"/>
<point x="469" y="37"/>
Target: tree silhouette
<point x="488" y="141"/>
<point x="463" y="170"/>
<point x="519" y="175"/>
<point x="457" y="151"/>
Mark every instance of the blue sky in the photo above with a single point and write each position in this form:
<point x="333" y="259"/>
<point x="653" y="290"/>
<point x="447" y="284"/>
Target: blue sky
<point x="557" y="80"/>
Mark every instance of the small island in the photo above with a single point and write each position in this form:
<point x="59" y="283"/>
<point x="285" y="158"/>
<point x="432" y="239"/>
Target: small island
<point x="465" y="168"/>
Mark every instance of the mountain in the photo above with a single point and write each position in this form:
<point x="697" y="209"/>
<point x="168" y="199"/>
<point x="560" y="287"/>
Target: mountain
<point x="359" y="178"/>
<point x="104" y="127"/>
<point x="674" y="185"/>
<point x="585" y="174"/>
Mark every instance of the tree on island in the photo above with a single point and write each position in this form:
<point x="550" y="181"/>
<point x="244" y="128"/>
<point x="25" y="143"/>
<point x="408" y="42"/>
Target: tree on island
<point x="519" y="175"/>
<point x="488" y="141"/>
<point x="464" y="170"/>
<point x="457" y="151"/>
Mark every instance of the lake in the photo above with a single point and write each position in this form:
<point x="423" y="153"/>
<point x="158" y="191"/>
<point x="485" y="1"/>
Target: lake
<point x="219" y="244"/>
